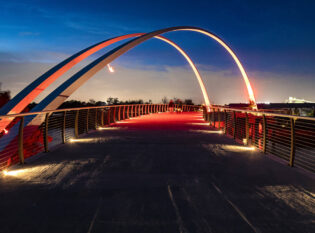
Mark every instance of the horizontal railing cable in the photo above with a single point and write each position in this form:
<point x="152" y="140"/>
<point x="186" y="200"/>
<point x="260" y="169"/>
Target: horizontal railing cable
<point x="288" y="137"/>
<point x="31" y="133"/>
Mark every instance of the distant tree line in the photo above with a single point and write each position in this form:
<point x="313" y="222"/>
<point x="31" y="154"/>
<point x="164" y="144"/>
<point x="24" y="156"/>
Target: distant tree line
<point x="116" y="101"/>
<point x="5" y="97"/>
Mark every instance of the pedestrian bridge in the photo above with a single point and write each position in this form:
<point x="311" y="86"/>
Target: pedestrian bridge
<point x="152" y="171"/>
<point x="151" y="167"/>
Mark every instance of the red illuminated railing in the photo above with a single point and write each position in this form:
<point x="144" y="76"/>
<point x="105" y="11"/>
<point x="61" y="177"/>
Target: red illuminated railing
<point x="20" y="141"/>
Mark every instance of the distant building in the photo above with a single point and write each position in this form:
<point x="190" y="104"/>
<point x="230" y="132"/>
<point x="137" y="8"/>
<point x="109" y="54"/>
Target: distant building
<point x="292" y="100"/>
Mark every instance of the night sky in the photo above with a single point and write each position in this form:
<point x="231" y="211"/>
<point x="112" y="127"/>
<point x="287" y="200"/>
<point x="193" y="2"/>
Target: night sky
<point x="275" y="41"/>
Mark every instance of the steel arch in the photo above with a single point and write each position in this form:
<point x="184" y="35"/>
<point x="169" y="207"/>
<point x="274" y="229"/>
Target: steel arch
<point x="22" y="99"/>
<point x="68" y="87"/>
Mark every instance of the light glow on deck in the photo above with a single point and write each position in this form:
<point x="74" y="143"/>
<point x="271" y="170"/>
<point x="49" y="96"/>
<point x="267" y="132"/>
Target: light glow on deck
<point x="237" y="148"/>
<point x="207" y="131"/>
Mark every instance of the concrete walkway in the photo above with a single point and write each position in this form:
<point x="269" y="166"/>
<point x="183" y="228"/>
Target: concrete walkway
<point x="164" y="173"/>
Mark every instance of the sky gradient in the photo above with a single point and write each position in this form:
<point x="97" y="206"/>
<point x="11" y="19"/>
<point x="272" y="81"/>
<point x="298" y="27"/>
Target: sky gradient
<point x="275" y="41"/>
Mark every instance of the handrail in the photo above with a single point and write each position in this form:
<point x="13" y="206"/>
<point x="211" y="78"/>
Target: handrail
<point x="288" y="137"/>
<point x="79" y="108"/>
<point x="25" y="138"/>
<point x="265" y="113"/>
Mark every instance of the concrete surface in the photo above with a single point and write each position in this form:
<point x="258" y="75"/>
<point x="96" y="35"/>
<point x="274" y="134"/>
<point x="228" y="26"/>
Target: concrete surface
<point x="158" y="173"/>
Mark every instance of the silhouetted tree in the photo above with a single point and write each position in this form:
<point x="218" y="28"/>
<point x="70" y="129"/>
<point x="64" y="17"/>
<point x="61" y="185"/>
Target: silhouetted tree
<point x="165" y="100"/>
<point x="188" y="102"/>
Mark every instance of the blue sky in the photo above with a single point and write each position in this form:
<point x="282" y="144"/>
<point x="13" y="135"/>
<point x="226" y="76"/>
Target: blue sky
<point x="275" y="40"/>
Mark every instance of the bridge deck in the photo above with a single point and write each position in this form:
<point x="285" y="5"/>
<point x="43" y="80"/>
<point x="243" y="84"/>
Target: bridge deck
<point x="164" y="172"/>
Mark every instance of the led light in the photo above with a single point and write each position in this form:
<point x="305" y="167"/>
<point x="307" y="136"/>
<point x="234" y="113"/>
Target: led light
<point x="207" y="124"/>
<point x="13" y="173"/>
<point x="110" y="68"/>
<point x="207" y="131"/>
<point x="5" y="131"/>
<point x="238" y="148"/>
<point x="108" y="128"/>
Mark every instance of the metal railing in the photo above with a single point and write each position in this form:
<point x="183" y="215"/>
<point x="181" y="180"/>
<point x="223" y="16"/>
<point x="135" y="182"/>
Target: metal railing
<point x="288" y="137"/>
<point x="23" y="138"/>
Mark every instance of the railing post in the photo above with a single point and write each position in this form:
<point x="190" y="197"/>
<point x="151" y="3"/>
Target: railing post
<point x="95" y="123"/>
<point x="76" y="124"/>
<point x="127" y="112"/>
<point x="119" y="113"/>
<point x="234" y="124"/>
<point x="264" y="133"/>
<point x="247" y="128"/>
<point x="21" y="149"/>
<point x="102" y="117"/>
<point x="46" y="133"/>
<point x="124" y="112"/>
<point x="114" y="114"/>
<point x="219" y="118"/>
<point x="87" y="121"/>
<point x="214" y="121"/>
<point x="63" y="130"/>
<point x="292" y="153"/>
<point x="109" y="115"/>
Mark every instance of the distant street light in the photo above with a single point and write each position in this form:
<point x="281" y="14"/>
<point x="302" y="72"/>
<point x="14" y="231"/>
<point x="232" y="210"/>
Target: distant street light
<point x="110" y="68"/>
